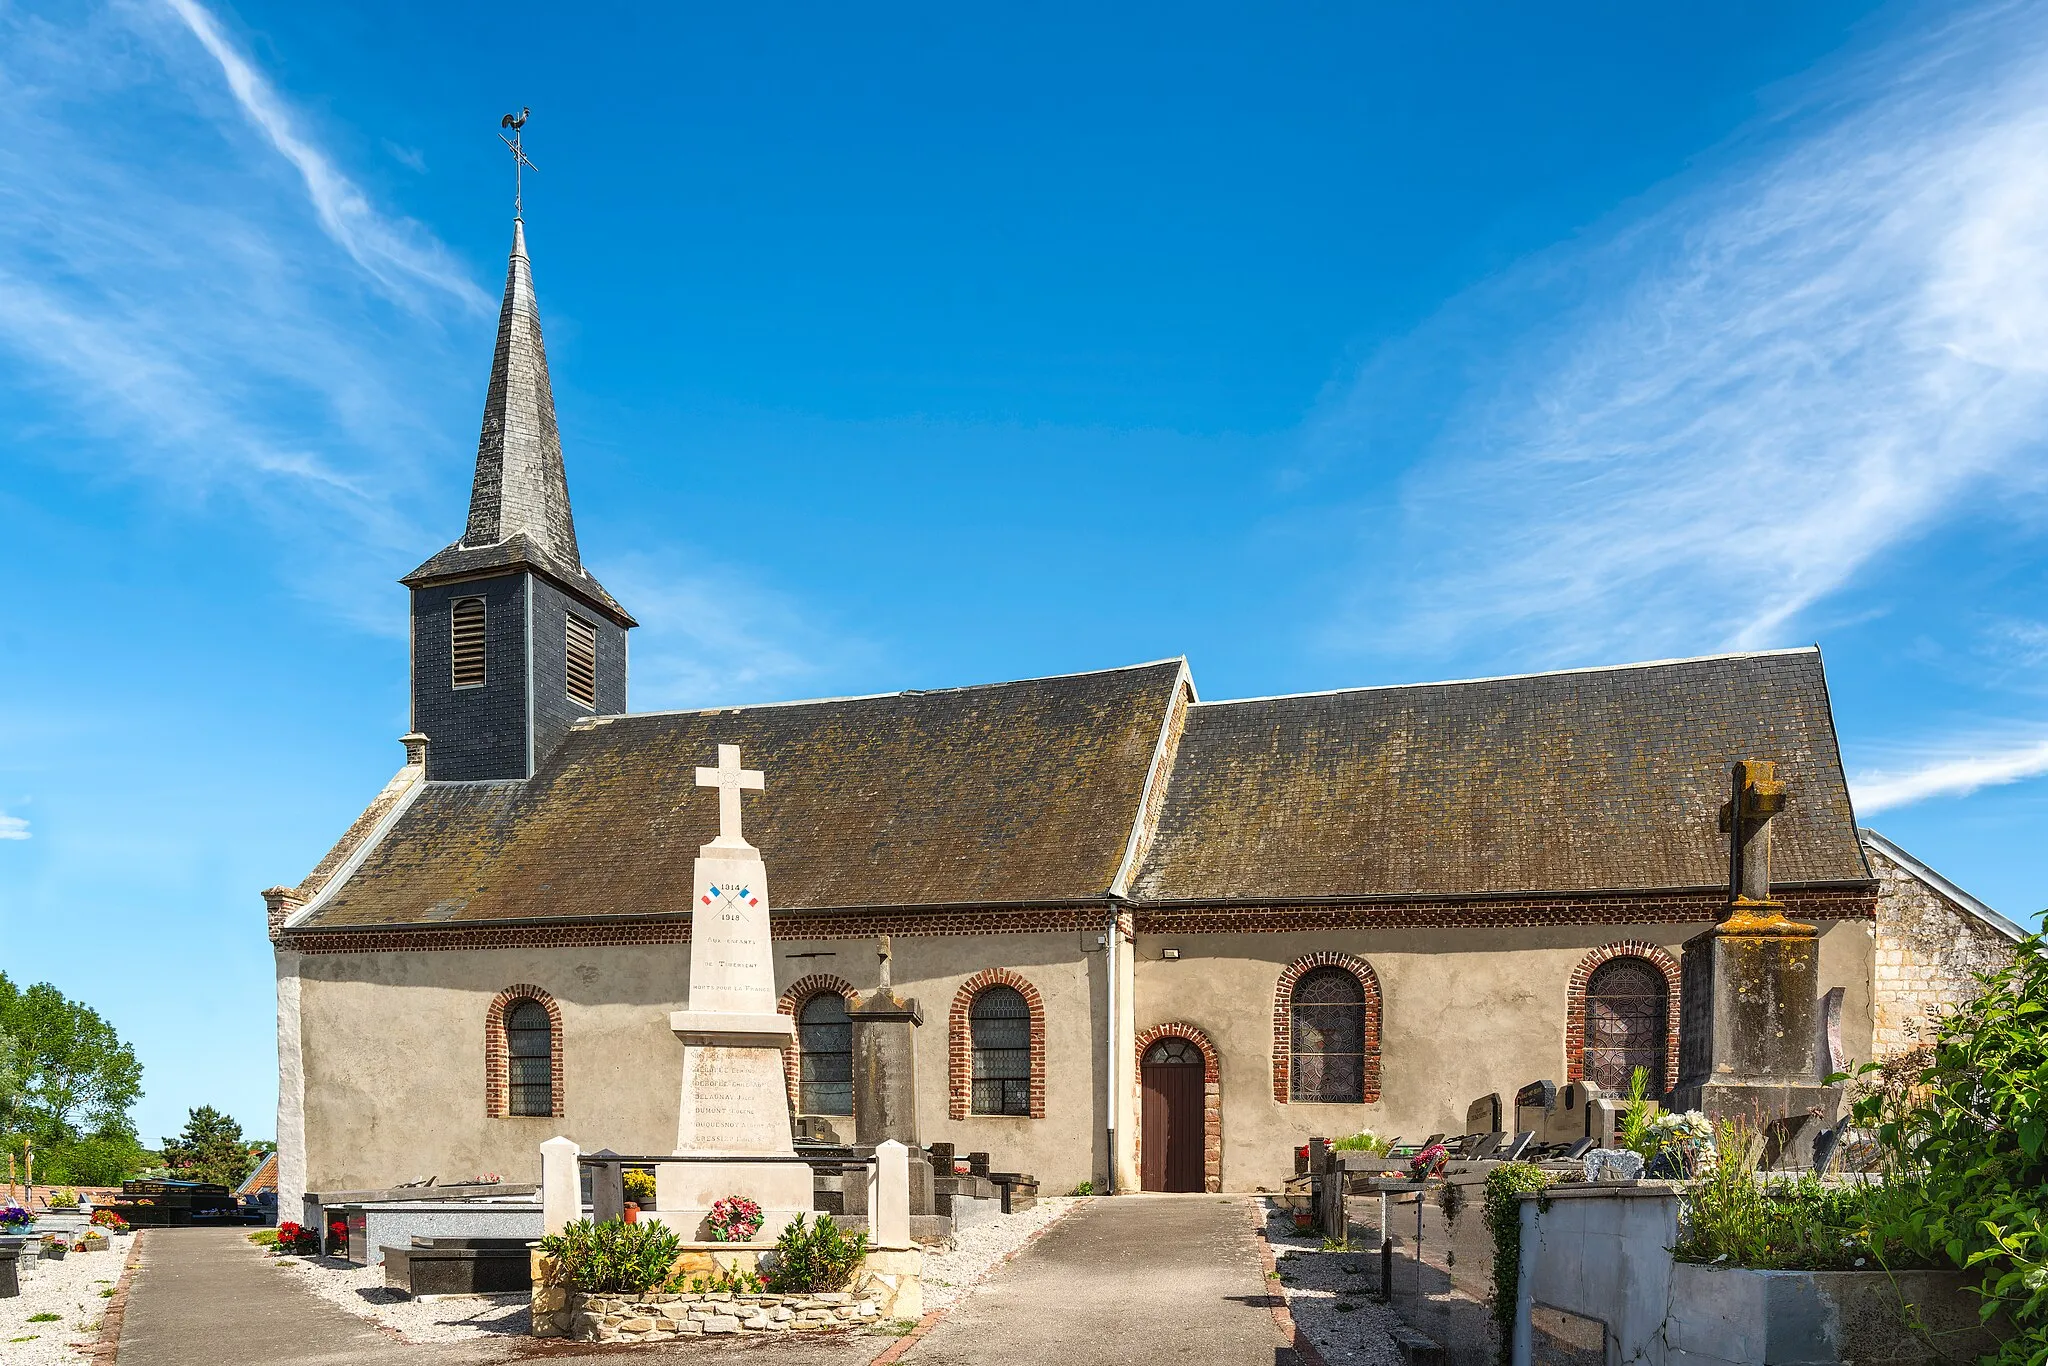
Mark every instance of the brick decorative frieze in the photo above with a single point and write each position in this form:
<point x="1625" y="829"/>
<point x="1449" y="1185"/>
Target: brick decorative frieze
<point x="1212" y="1097"/>
<point x="960" y="1040"/>
<point x="792" y="1001"/>
<point x="1575" y="1004"/>
<point x="1283" y="1018"/>
<point x="1684" y="908"/>
<point x="497" y="1067"/>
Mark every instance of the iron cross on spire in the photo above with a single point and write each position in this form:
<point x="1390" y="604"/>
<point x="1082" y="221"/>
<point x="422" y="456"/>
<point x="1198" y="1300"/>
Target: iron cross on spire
<point x="730" y="780"/>
<point x="519" y="162"/>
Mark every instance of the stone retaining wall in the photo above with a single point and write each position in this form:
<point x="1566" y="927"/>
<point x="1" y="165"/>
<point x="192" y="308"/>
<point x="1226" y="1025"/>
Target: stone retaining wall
<point x="889" y="1285"/>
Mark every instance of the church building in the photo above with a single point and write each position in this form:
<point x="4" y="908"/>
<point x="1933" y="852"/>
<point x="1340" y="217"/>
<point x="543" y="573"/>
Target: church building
<point x="1156" y="938"/>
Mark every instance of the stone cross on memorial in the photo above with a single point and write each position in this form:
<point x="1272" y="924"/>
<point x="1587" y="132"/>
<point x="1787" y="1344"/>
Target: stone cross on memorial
<point x="735" y="1099"/>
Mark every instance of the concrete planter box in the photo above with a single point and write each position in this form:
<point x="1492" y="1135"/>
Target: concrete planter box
<point x="1724" y="1316"/>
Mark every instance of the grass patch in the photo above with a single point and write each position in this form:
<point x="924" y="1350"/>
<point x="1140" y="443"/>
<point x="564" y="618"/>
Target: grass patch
<point x="32" y="1337"/>
<point x="264" y="1237"/>
<point x="44" y="1318"/>
<point x="108" y="1293"/>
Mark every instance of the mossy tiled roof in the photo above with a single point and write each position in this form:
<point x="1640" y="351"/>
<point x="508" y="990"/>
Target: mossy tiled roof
<point x="1013" y="793"/>
<point x="1589" y="780"/>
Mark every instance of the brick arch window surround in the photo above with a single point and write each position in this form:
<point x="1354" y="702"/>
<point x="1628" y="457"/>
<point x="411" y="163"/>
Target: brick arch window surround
<point x="1283" y="1021"/>
<point x="791" y="1003"/>
<point x="1575" y="1004"/>
<point x="1212" y="1096"/>
<point x="498" y="1078"/>
<point x="960" y="1040"/>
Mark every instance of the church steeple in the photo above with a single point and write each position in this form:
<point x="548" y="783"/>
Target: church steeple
<point x="520" y="486"/>
<point x="513" y="639"/>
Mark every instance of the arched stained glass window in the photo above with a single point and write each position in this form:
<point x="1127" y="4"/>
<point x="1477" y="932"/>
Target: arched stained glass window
<point x="1327" y="1049"/>
<point x="1173" y="1052"/>
<point x="530" y="1058"/>
<point x="999" y="1023"/>
<point x="1628" y="1020"/>
<point x="824" y="1041"/>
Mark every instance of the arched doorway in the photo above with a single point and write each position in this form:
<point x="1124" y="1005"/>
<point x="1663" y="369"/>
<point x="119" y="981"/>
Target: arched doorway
<point x="1172" y="1141"/>
<point x="1628" y="1007"/>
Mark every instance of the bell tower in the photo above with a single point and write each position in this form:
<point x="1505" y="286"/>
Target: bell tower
<point x="512" y="638"/>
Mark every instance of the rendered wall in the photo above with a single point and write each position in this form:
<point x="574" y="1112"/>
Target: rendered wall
<point x="392" y="1048"/>
<point x="1465" y="1012"/>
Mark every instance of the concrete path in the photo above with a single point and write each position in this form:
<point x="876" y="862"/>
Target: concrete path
<point x="1137" y="1279"/>
<point x="209" y="1297"/>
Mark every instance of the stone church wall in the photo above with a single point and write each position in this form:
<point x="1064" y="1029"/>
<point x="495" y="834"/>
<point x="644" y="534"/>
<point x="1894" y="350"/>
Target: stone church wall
<point x="1927" y="948"/>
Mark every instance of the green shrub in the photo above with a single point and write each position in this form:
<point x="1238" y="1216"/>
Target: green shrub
<point x="1975" y="1131"/>
<point x="613" y="1256"/>
<point x="814" y="1257"/>
<point x="1085" y="1188"/>
<point x="640" y="1186"/>
<point x="1505" y="1186"/>
<point x="720" y="1283"/>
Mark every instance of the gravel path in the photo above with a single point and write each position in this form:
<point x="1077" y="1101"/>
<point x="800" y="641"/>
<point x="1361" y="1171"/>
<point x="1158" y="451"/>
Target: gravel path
<point x="1328" y="1293"/>
<point x="979" y="1250"/>
<point x="70" y="1288"/>
<point x="457" y="1318"/>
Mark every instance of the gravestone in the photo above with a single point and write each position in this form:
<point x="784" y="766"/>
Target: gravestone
<point x="885" y="1076"/>
<point x="735" y="1100"/>
<point x="1749" y="993"/>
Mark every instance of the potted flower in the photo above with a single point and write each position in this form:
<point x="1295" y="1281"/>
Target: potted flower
<point x="109" y="1220"/>
<point x="735" y="1219"/>
<point x="14" y="1220"/>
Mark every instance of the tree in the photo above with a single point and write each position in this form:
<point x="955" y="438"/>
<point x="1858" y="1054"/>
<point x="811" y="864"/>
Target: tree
<point x="77" y="1077"/>
<point x="67" y="1082"/>
<point x="210" y="1149"/>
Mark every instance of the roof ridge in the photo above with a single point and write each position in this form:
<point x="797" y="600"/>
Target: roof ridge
<point x="1180" y="660"/>
<point x="1509" y="678"/>
<point x="1995" y="918"/>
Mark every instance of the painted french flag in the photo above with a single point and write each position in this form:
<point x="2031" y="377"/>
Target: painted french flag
<point x="707" y="898"/>
<point x="752" y="900"/>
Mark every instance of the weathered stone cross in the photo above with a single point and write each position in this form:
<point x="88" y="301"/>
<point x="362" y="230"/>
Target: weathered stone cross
<point x="730" y="780"/>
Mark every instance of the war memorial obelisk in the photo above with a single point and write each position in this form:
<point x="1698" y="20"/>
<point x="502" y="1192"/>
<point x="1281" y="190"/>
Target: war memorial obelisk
<point x="735" y="1101"/>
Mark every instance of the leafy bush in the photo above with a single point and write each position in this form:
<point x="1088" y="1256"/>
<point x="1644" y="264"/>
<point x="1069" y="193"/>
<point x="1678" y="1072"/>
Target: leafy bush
<point x="1974" y="1127"/>
<point x="814" y="1257"/>
<point x="1364" y="1141"/>
<point x="639" y="1184"/>
<point x="614" y="1255"/>
<point x="720" y="1283"/>
<point x="64" y="1199"/>
<point x="1085" y="1188"/>
<point x="1505" y="1186"/>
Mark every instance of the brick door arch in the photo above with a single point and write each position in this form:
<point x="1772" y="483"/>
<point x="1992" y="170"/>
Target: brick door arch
<point x="1212" y="1097"/>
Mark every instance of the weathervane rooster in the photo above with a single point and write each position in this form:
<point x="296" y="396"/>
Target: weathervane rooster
<point x="519" y="162"/>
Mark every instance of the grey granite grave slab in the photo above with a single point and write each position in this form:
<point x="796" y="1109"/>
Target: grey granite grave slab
<point x="372" y="1227"/>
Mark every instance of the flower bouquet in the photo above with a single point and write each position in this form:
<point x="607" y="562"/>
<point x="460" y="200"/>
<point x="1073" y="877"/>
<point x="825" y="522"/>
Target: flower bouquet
<point x="296" y="1240"/>
<point x="735" y="1219"/>
<point x="1429" y="1162"/>
<point x="110" y="1221"/>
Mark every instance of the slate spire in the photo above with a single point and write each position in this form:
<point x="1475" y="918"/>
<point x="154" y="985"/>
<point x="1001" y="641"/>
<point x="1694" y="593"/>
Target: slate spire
<point x="520" y="485"/>
<point x="519" y="502"/>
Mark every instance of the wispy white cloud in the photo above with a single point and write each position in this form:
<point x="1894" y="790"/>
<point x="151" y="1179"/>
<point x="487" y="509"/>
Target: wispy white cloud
<point x="1746" y="395"/>
<point x="712" y="637"/>
<point x="1958" y="773"/>
<point x="392" y="250"/>
<point x="13" y="827"/>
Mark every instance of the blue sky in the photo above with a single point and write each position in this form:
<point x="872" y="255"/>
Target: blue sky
<point x="1339" y="346"/>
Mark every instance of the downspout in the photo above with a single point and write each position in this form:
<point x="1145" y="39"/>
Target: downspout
<point x="1109" y="953"/>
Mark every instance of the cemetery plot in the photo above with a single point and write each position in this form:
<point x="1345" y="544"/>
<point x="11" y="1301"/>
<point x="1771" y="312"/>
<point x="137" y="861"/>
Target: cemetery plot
<point x="60" y="1304"/>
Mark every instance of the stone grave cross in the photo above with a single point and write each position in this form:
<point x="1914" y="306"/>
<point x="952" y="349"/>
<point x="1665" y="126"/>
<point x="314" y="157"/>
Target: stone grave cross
<point x="730" y="780"/>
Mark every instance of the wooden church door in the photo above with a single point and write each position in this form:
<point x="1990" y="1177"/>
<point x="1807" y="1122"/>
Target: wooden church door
<point x="1170" y="1147"/>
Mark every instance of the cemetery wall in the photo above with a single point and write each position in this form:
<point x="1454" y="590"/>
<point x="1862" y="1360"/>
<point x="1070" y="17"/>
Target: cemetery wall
<point x="1464" y="1013"/>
